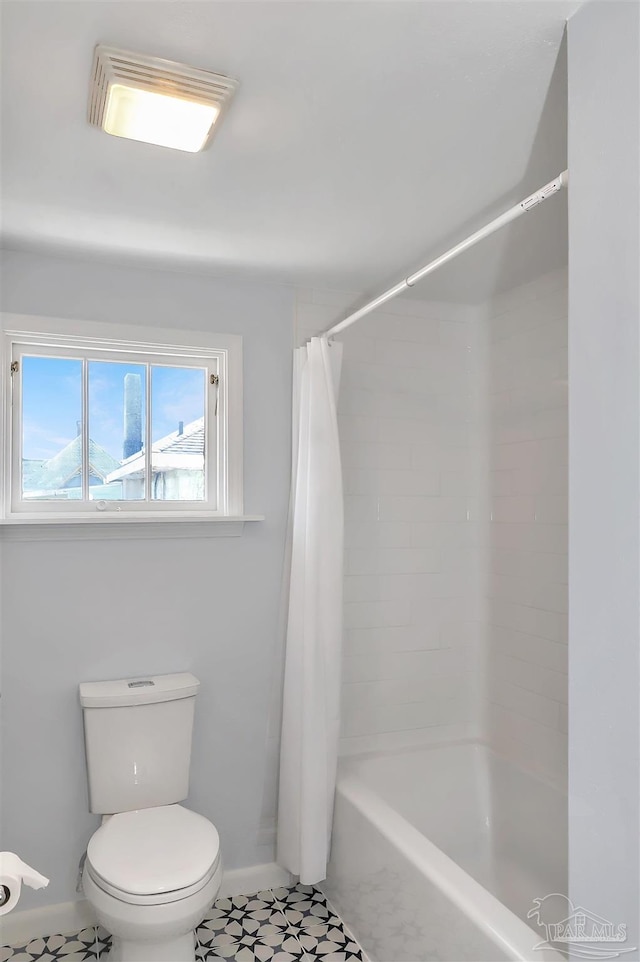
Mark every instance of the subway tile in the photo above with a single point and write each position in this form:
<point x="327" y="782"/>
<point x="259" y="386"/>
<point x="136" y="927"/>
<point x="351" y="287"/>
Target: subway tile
<point x="409" y="483"/>
<point x="418" y="307"/>
<point x="508" y="373"/>
<point x="358" y="507"/>
<point x="363" y="456"/>
<point x="538" y="567"/>
<point x="367" y="641"/>
<point x="544" y="681"/>
<point x="401" y="689"/>
<point x="540" y="396"/>
<point x="525" y="294"/>
<point x="530" y="704"/>
<point x="404" y="307"/>
<point x="551" y="509"/>
<point x="424" y="509"/>
<point x="502" y="484"/>
<point x="455" y="407"/>
<point x="539" y="341"/>
<point x="371" y="614"/>
<point x="458" y="334"/>
<point x="437" y="584"/>
<point x="534" y="747"/>
<point x="550" y="597"/>
<point x="511" y="427"/>
<point x="517" y="591"/>
<point x="534" y="536"/>
<point x="458" y="560"/>
<point x="446" y="376"/>
<point x="459" y="634"/>
<point x="456" y="483"/>
<point x="399" y="740"/>
<point x="532" y="621"/>
<point x="358" y="348"/>
<point x="363" y="375"/>
<point x="553" y="423"/>
<point x="357" y="402"/>
<point x="424" y="664"/>
<point x="392" y="560"/>
<point x="454" y="435"/>
<point x="524" y="316"/>
<point x="408" y="430"/>
<point x="512" y="509"/>
<point x="396" y="353"/>
<point x="508" y="643"/>
<point x="384" y="483"/>
<point x="377" y="587"/>
<point x="499" y="404"/>
<point x="385" y="327"/>
<point x="444" y="534"/>
<point x="425" y="457"/>
<point x="526" y="455"/>
<point x="438" y="710"/>
<point x="358" y="430"/>
<point x="373" y="534"/>
<point x="563" y="720"/>
<point x="543" y="478"/>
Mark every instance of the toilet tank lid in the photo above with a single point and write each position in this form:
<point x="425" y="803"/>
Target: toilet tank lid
<point x="138" y="691"/>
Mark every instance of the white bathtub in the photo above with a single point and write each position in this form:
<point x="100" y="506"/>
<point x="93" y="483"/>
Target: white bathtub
<point x="438" y="853"/>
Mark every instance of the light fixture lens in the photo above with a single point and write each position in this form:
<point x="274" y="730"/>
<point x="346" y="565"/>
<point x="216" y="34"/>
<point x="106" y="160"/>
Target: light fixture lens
<point x="158" y="119"/>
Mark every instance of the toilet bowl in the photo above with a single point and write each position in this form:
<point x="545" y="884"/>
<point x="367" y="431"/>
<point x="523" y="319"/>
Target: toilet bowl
<point x="150" y="876"/>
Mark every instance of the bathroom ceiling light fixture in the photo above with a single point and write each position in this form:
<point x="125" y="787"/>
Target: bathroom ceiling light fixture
<point x="156" y="101"/>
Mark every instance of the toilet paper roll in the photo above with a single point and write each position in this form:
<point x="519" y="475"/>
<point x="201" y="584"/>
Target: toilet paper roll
<point x="13" y="872"/>
<point x="10" y="886"/>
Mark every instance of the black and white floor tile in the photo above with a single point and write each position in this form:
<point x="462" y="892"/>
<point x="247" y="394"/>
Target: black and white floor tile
<point x="280" y="925"/>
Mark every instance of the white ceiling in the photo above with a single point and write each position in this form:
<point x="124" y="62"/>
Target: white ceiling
<point x="365" y="138"/>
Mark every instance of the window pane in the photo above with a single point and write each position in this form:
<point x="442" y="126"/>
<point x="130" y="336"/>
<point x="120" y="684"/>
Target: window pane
<point x="177" y="433"/>
<point x="51" y="428"/>
<point x="117" y="393"/>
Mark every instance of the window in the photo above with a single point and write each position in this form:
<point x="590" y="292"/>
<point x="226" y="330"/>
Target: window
<point x="106" y="429"/>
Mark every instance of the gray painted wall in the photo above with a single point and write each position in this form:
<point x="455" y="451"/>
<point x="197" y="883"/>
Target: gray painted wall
<point x="604" y="568"/>
<point x="76" y="610"/>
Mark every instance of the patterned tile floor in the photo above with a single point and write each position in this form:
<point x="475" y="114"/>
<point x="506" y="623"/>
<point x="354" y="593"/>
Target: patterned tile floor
<point x="280" y="925"/>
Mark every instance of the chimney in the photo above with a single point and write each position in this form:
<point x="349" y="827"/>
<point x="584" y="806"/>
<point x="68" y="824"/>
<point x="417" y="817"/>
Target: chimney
<point x="132" y="415"/>
<point x="180" y="428"/>
<point x="78" y="428"/>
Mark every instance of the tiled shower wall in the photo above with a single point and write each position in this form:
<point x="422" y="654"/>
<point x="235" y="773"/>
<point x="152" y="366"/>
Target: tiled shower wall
<point x="526" y="572"/>
<point x="454" y="443"/>
<point x="407" y="415"/>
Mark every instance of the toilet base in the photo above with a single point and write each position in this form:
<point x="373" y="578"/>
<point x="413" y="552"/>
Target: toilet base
<point x="181" y="949"/>
<point x="152" y="933"/>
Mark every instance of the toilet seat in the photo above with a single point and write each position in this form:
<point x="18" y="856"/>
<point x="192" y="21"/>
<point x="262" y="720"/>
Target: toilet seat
<point x="154" y="855"/>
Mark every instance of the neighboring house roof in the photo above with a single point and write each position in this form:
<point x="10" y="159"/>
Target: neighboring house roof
<point x="176" y="450"/>
<point x="56" y="473"/>
<point x="191" y="441"/>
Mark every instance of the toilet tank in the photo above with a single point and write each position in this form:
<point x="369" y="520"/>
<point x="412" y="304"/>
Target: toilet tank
<point x="137" y="736"/>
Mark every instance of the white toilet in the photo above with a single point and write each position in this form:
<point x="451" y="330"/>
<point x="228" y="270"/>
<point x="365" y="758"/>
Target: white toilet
<point x="153" y="868"/>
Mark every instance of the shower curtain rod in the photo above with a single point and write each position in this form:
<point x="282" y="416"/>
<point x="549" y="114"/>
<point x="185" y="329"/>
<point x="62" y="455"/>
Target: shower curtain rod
<point x="525" y="205"/>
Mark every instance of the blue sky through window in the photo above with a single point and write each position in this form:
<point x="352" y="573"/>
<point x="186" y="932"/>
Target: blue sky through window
<point x="52" y="402"/>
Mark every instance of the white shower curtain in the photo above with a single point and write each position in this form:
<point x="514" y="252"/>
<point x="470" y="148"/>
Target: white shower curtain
<point x="311" y="699"/>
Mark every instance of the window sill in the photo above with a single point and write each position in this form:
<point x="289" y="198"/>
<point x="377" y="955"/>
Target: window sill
<point x="128" y="526"/>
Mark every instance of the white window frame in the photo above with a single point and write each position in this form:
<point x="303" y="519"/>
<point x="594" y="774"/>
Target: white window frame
<point x="219" y="354"/>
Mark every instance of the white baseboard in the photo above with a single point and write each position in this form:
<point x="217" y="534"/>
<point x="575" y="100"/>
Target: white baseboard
<point x="248" y="881"/>
<point x="65" y="918"/>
